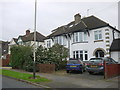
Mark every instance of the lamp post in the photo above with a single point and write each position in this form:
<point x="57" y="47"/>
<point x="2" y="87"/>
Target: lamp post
<point x="34" y="54"/>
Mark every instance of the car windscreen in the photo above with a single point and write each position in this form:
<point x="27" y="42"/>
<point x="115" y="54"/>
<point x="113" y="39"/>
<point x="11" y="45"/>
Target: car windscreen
<point x="95" y="60"/>
<point x="73" y="62"/>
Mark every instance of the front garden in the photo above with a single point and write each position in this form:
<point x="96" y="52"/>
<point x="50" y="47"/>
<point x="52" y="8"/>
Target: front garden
<point x="22" y="57"/>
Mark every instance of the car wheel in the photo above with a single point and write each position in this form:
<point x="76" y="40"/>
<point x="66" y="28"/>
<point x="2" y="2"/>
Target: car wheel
<point x="90" y="72"/>
<point x="67" y="71"/>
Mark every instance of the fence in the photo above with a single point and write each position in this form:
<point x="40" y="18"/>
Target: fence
<point x="46" y="68"/>
<point x="6" y="61"/>
<point x="111" y="70"/>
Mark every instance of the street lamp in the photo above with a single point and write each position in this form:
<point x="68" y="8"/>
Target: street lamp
<point x="34" y="54"/>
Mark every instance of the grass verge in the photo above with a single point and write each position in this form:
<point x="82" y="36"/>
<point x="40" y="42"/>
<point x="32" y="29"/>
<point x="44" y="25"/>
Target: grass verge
<point x="24" y="76"/>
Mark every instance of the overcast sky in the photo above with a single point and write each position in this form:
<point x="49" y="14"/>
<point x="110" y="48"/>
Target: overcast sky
<point x="18" y="15"/>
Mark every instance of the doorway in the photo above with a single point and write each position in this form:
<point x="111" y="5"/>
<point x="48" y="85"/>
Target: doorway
<point x="99" y="53"/>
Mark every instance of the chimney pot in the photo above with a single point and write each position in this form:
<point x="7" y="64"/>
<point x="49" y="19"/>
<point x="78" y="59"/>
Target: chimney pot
<point x="27" y="32"/>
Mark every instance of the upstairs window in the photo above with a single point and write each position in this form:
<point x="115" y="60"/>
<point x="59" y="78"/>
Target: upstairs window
<point x="98" y="35"/>
<point x="60" y="40"/>
<point x="48" y="43"/>
<point x="80" y="37"/>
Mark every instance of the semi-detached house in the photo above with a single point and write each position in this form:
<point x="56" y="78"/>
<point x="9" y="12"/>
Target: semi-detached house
<point x="28" y="40"/>
<point x="84" y="37"/>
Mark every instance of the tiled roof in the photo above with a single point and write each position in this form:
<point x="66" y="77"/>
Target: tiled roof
<point x="115" y="46"/>
<point x="88" y="23"/>
<point x="30" y="37"/>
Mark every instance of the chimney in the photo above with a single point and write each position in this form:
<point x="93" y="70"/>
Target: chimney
<point x="27" y="32"/>
<point x="77" y="18"/>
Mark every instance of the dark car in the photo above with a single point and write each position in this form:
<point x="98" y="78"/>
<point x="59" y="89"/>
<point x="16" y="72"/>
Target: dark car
<point x="96" y="65"/>
<point x="75" y="65"/>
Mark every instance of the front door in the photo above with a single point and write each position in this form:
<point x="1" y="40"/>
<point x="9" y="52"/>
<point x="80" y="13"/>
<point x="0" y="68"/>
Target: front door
<point x="99" y="53"/>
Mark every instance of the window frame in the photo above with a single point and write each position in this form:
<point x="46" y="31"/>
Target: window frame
<point x="80" y="37"/>
<point x="80" y="54"/>
<point x="97" y="35"/>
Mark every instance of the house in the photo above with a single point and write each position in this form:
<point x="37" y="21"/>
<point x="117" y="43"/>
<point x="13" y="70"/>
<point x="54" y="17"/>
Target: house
<point x="3" y="49"/>
<point x="28" y="39"/>
<point x="84" y="37"/>
<point x="13" y="42"/>
<point x="115" y="49"/>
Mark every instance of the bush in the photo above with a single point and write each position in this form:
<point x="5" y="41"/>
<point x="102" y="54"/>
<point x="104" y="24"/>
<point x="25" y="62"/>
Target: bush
<point x="54" y="55"/>
<point x="21" y="56"/>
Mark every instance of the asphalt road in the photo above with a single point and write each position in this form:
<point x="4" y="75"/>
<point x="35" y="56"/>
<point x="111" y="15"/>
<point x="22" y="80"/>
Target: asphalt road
<point x="11" y="83"/>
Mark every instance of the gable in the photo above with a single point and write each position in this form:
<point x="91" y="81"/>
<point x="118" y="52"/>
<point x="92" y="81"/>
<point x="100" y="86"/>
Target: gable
<point x="19" y="40"/>
<point x="12" y="42"/>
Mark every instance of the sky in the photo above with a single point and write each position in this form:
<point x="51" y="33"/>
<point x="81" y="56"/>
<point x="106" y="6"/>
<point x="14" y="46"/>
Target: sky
<point x="16" y="16"/>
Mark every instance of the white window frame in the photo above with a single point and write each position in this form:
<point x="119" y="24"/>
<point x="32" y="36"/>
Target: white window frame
<point x="98" y="33"/>
<point x="82" y="52"/>
<point x="48" y="43"/>
<point x="60" y="40"/>
<point x="80" y="37"/>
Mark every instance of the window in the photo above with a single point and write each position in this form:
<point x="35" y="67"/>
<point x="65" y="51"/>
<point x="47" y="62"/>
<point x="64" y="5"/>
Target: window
<point x="82" y="54"/>
<point x="60" y="40"/>
<point x="98" y="35"/>
<point x="77" y="54"/>
<point x="73" y="54"/>
<point x="79" y="37"/>
<point x="48" y="43"/>
<point x="86" y="55"/>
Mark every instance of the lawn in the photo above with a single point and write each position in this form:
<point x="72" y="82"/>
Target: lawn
<point x="24" y="76"/>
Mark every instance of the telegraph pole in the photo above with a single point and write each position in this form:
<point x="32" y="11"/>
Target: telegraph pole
<point x="34" y="52"/>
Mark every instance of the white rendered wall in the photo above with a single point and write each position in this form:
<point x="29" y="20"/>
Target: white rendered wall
<point x="91" y="45"/>
<point x="115" y="55"/>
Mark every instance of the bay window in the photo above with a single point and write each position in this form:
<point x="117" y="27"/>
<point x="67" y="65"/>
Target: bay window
<point x="82" y="54"/>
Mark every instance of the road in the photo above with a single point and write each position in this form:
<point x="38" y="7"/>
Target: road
<point x="11" y="83"/>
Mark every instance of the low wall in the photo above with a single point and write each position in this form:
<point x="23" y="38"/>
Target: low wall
<point x="46" y="68"/>
<point x="6" y="61"/>
<point x="112" y="70"/>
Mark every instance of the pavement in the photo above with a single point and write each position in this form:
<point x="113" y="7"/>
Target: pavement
<point x="73" y="80"/>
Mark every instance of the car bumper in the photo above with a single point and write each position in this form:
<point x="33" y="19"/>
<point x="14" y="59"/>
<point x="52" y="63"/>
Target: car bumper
<point x="74" y="69"/>
<point x="95" y="70"/>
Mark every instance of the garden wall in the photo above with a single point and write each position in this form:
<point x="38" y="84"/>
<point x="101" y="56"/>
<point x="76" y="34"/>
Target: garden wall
<point x="112" y="70"/>
<point x="6" y="61"/>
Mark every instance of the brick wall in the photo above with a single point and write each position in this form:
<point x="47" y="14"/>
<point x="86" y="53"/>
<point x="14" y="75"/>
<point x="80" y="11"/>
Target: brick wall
<point x="112" y="70"/>
<point x="6" y="61"/>
<point x="46" y="68"/>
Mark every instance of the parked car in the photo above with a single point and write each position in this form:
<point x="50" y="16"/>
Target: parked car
<point x="75" y="65"/>
<point x="96" y="65"/>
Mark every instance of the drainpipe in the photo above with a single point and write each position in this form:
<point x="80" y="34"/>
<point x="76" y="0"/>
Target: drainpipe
<point x="113" y="34"/>
<point x="68" y="36"/>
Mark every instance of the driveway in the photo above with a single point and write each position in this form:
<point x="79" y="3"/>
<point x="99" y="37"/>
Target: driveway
<point x="77" y="80"/>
